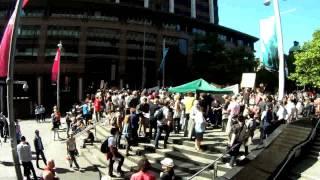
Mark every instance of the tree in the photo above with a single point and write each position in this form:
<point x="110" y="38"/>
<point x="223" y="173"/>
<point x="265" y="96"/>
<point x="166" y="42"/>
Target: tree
<point x="307" y="63"/>
<point x="213" y="61"/>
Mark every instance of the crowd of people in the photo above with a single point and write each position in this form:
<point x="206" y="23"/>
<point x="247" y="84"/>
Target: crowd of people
<point x="134" y="114"/>
<point x="142" y="114"/>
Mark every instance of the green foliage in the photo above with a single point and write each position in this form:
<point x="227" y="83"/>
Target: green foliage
<point x="215" y="62"/>
<point x="307" y="63"/>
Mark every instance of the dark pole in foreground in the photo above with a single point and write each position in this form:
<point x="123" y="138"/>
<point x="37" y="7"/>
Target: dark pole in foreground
<point x="12" y="127"/>
<point x="58" y="79"/>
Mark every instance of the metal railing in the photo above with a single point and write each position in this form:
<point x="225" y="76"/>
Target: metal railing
<point x="89" y="127"/>
<point x="294" y="150"/>
<point x="214" y="164"/>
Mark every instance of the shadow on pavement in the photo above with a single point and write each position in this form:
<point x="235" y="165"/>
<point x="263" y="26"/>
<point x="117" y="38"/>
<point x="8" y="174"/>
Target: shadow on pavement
<point x="62" y="170"/>
<point x="7" y="163"/>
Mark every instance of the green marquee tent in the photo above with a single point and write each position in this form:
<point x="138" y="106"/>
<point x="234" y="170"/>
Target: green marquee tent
<point x="199" y="85"/>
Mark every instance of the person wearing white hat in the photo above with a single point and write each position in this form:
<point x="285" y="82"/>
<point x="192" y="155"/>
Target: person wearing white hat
<point x="168" y="171"/>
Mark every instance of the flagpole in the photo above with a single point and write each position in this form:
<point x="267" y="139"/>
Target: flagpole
<point x="280" y="49"/>
<point x="143" y="54"/>
<point x="58" y="79"/>
<point x="12" y="128"/>
<point x="164" y="62"/>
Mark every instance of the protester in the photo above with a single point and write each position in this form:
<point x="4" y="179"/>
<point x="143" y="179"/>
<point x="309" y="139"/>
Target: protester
<point x="154" y="106"/>
<point x="188" y="103"/>
<point x="72" y="151"/>
<point x="89" y="139"/>
<point x="18" y="131"/>
<point x="239" y="133"/>
<point x="42" y="111"/>
<point x="167" y="169"/>
<point x="55" y="118"/>
<point x="25" y="156"/>
<point x="163" y="124"/>
<point x="177" y="113"/>
<point x="200" y="126"/>
<point x="49" y="172"/>
<point x="144" y="171"/>
<point x="266" y="122"/>
<point x="127" y="131"/>
<point x="113" y="154"/>
<point x="38" y="145"/>
<point x="143" y="111"/>
<point x="37" y="113"/>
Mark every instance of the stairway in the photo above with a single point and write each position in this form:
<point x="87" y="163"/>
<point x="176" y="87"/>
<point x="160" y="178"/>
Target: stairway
<point x="308" y="167"/>
<point x="186" y="159"/>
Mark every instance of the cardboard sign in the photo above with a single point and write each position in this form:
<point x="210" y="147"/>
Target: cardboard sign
<point x="248" y="80"/>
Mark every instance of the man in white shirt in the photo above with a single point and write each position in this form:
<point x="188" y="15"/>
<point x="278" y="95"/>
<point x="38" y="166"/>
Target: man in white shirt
<point x="291" y="110"/>
<point x="281" y="113"/>
<point x="25" y="156"/>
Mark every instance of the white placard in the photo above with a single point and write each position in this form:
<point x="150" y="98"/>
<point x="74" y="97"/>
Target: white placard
<point x="248" y="80"/>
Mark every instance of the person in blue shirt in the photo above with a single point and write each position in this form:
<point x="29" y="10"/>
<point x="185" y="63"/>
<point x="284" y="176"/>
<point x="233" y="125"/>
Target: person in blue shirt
<point x="86" y="113"/>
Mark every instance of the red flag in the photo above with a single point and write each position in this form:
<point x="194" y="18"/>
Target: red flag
<point x="6" y="41"/>
<point x="55" y="67"/>
<point x="25" y="2"/>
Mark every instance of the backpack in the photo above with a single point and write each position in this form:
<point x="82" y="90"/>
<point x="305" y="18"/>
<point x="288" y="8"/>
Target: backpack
<point x="158" y="115"/>
<point x="243" y="134"/>
<point x="104" y="146"/>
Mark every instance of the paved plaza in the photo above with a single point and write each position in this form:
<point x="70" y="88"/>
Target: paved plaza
<point x="53" y="150"/>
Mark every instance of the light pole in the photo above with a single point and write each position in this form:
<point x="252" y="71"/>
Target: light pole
<point x="12" y="127"/>
<point x="280" y="46"/>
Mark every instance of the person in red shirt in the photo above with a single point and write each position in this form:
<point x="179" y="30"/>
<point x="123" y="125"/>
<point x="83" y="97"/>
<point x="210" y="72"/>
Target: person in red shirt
<point x="144" y="171"/>
<point x="97" y="107"/>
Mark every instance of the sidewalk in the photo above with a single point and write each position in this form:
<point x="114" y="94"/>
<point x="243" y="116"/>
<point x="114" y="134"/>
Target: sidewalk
<point x="53" y="150"/>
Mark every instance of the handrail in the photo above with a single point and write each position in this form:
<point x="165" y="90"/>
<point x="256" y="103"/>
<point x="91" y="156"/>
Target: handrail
<point x="215" y="161"/>
<point x="87" y="129"/>
<point x="297" y="147"/>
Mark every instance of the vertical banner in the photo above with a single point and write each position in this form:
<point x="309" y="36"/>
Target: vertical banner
<point x="269" y="44"/>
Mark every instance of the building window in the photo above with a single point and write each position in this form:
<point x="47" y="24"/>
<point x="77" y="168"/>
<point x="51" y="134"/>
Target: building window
<point x="222" y="37"/>
<point x="240" y="42"/>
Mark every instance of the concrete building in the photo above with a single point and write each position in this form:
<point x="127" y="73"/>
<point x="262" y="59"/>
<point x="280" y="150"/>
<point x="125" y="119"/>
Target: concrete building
<point x="104" y="40"/>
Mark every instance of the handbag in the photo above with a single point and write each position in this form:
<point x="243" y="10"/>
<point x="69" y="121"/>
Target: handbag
<point x="76" y="152"/>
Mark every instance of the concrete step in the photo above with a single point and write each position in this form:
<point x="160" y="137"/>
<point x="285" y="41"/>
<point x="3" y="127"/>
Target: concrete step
<point x="313" y="156"/>
<point x="315" y="148"/>
<point x="182" y="169"/>
<point x="191" y="150"/>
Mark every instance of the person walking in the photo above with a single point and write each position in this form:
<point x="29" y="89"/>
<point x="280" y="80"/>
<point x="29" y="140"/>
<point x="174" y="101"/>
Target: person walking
<point x="144" y="172"/>
<point x="37" y="113"/>
<point x="72" y="151"/>
<point x="239" y="133"/>
<point x="154" y="106"/>
<point x="25" y="156"/>
<point x="42" y="111"/>
<point x="188" y="102"/>
<point x="163" y="124"/>
<point x="113" y="154"/>
<point x="177" y="112"/>
<point x="55" y="116"/>
<point x="38" y="145"/>
<point x="200" y="127"/>
<point x="143" y="111"/>
<point x="127" y="131"/>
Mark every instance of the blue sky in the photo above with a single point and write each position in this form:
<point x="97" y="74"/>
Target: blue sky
<point x="300" y="18"/>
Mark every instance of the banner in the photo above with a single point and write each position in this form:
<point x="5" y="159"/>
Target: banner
<point x="269" y="44"/>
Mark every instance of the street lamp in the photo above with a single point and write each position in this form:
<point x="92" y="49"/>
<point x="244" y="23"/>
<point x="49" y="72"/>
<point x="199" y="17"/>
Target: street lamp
<point x="280" y="46"/>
